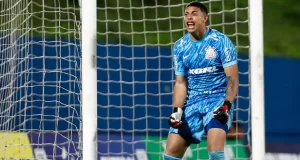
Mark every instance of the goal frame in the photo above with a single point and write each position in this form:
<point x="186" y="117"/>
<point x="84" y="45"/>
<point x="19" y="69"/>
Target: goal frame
<point x="256" y="61"/>
<point x="89" y="79"/>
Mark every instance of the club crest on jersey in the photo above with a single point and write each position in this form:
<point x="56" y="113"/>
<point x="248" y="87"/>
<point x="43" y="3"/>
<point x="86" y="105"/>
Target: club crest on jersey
<point x="210" y="53"/>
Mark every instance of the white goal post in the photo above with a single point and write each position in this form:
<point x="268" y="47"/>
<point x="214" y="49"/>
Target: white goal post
<point x="257" y="79"/>
<point x="89" y="79"/>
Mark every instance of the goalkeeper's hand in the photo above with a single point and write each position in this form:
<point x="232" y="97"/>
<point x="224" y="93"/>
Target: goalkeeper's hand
<point x="175" y="118"/>
<point x="221" y="113"/>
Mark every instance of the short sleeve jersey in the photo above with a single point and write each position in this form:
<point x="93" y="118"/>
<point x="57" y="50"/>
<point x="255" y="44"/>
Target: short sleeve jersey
<point x="203" y="62"/>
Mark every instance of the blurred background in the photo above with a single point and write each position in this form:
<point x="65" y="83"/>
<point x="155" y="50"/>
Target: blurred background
<point x="41" y="77"/>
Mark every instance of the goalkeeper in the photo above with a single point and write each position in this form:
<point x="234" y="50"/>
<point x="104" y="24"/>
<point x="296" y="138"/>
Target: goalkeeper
<point x="205" y="87"/>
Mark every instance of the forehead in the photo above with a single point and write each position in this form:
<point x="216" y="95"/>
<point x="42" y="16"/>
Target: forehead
<point x="192" y="9"/>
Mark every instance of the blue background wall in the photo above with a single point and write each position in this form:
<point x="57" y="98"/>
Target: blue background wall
<point x="281" y="91"/>
<point x="282" y="86"/>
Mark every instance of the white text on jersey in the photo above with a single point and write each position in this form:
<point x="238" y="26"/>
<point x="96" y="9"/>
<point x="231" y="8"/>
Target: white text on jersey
<point x="203" y="70"/>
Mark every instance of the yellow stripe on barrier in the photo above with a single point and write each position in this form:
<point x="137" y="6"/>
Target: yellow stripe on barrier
<point x="15" y="146"/>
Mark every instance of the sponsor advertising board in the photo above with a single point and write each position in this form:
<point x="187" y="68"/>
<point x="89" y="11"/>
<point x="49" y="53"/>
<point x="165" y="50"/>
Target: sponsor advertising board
<point x="45" y="146"/>
<point x="110" y="147"/>
<point x="156" y="146"/>
<point x="15" y="146"/>
<point x="125" y="147"/>
<point x="55" y="146"/>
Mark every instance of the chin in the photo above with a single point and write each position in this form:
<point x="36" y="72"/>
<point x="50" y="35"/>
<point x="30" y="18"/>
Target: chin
<point x="191" y="30"/>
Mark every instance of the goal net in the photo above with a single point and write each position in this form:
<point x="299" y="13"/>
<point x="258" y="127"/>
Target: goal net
<point x="40" y="78"/>
<point x="136" y="68"/>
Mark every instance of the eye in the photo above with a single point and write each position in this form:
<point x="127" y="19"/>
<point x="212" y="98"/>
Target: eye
<point x="195" y="13"/>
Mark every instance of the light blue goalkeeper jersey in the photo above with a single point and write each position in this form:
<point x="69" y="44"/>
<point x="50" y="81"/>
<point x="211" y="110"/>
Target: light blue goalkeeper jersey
<point x="203" y="62"/>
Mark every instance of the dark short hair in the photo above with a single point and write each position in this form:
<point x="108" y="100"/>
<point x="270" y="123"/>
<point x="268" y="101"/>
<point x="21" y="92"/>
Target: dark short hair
<point x="201" y="6"/>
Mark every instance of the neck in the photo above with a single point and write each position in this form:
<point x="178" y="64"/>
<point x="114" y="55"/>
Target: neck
<point x="198" y="34"/>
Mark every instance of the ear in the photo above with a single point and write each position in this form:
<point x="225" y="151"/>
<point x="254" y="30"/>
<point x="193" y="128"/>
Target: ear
<point x="205" y="18"/>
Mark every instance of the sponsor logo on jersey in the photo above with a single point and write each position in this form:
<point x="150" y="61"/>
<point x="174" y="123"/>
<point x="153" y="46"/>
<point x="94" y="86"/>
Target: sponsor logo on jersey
<point x="175" y="61"/>
<point x="184" y="57"/>
<point x="210" y="53"/>
<point x="227" y="55"/>
<point x="213" y="36"/>
<point x="182" y="42"/>
<point x="203" y="70"/>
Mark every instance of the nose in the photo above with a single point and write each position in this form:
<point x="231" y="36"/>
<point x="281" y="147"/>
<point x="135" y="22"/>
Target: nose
<point x="188" y="17"/>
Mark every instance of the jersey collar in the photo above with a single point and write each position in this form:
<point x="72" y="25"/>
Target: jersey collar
<point x="205" y="35"/>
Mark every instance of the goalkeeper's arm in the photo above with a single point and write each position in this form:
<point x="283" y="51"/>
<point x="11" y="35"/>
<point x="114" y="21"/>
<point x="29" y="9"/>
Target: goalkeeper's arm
<point x="232" y="75"/>
<point x="180" y="92"/>
<point x="221" y="113"/>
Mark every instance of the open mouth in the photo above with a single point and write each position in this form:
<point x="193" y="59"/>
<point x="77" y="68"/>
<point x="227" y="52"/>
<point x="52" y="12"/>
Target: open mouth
<point x="190" y="25"/>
